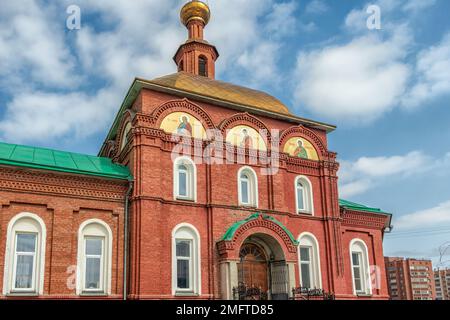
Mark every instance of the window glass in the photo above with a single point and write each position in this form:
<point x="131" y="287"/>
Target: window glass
<point x="93" y="263"/>
<point x="300" y="197"/>
<point x="25" y="256"/>
<point x="183" y="250"/>
<point x="244" y="191"/>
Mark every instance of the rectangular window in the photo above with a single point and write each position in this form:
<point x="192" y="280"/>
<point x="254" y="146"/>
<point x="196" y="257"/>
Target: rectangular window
<point x="25" y="262"/>
<point x="357" y="272"/>
<point x="184" y="265"/>
<point x="305" y="267"/>
<point x="93" y="273"/>
<point x="182" y="184"/>
<point x="245" y="197"/>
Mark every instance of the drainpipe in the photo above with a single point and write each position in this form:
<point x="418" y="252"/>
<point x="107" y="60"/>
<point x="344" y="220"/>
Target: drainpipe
<point x="125" y="242"/>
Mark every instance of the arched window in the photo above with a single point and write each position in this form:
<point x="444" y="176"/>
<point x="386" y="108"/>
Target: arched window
<point x="94" y="258"/>
<point x="247" y="187"/>
<point x="25" y="255"/>
<point x="186" y="277"/>
<point x="185" y="179"/>
<point x="360" y="268"/>
<point x="202" y="66"/>
<point x="309" y="262"/>
<point x="303" y="196"/>
<point x="124" y="138"/>
<point x="181" y="66"/>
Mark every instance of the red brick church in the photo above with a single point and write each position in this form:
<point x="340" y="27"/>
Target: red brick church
<point x="202" y="190"/>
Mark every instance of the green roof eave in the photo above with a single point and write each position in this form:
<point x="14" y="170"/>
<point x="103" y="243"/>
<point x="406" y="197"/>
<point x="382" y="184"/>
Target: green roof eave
<point x="61" y="161"/>
<point x="228" y="236"/>
<point x="359" y="207"/>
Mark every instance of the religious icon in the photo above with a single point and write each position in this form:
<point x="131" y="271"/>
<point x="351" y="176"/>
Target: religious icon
<point x="300" y="151"/>
<point x="247" y="141"/>
<point x="185" y="127"/>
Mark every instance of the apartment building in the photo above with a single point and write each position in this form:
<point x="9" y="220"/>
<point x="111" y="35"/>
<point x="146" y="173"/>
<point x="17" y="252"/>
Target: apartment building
<point x="410" y="279"/>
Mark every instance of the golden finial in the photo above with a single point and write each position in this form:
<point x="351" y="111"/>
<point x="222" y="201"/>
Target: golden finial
<point x="195" y="10"/>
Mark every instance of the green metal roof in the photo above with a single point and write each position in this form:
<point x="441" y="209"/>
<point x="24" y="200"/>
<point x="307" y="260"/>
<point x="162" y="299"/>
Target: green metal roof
<point x="358" y="207"/>
<point x="53" y="160"/>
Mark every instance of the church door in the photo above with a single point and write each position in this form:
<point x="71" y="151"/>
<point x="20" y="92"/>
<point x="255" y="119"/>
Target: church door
<point x="253" y="267"/>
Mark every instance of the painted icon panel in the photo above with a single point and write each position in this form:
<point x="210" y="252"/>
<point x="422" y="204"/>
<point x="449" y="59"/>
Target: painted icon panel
<point x="300" y="148"/>
<point x="183" y="123"/>
<point x="246" y="137"/>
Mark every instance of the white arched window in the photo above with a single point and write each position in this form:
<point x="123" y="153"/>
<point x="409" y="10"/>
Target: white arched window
<point x="25" y="255"/>
<point x="125" y="133"/>
<point x="186" y="277"/>
<point x="94" y="258"/>
<point x="309" y="262"/>
<point x="185" y="179"/>
<point x="360" y="268"/>
<point x="247" y="187"/>
<point x="303" y="196"/>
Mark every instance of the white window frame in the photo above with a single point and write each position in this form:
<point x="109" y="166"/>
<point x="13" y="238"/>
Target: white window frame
<point x="252" y="187"/>
<point x="185" y="231"/>
<point x="86" y="256"/>
<point x="94" y="228"/>
<point x="25" y="223"/>
<point x="191" y="265"/>
<point x="307" y="239"/>
<point x="308" y="196"/>
<point x="360" y="247"/>
<point x="191" y="179"/>
<point x="16" y="255"/>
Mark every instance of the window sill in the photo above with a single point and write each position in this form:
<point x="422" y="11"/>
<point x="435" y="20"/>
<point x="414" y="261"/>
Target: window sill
<point x="185" y="200"/>
<point x="93" y="294"/>
<point x="305" y="213"/>
<point x="186" y="294"/>
<point x="22" y="294"/>
<point x="363" y="295"/>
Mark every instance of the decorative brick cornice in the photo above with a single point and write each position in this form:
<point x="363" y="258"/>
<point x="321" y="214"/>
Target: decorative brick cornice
<point x="364" y="219"/>
<point x="32" y="181"/>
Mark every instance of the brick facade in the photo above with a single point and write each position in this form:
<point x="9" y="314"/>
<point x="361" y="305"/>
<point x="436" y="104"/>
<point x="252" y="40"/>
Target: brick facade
<point x="65" y="201"/>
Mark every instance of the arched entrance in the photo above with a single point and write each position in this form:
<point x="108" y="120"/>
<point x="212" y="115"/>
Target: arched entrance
<point x="262" y="266"/>
<point x="258" y="257"/>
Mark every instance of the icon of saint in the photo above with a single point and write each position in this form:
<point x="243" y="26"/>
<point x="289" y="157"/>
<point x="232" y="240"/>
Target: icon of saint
<point x="185" y="127"/>
<point x="247" y="141"/>
<point x="300" y="151"/>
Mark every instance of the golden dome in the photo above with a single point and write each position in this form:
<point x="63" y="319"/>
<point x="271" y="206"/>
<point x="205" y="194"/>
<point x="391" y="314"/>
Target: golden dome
<point x="195" y="10"/>
<point x="222" y="91"/>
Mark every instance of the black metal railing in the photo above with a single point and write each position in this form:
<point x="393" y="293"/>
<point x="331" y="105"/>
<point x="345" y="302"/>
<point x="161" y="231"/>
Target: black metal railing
<point x="302" y="293"/>
<point x="243" y="292"/>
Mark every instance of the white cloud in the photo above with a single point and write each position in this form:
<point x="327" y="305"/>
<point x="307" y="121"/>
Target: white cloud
<point x="416" y="6"/>
<point x="436" y="216"/>
<point x="316" y="7"/>
<point x="29" y="47"/>
<point x="96" y="64"/>
<point x="356" y="81"/>
<point x="282" y="21"/>
<point x="367" y="172"/>
<point x="432" y="74"/>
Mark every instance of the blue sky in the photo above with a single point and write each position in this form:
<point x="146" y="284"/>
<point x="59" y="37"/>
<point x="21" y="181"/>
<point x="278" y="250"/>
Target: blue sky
<point x="387" y="90"/>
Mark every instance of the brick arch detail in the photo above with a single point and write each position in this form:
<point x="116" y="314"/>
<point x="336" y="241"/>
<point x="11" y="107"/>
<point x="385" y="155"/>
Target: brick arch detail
<point x="183" y="105"/>
<point x="302" y="132"/>
<point x="127" y="117"/>
<point x="248" y="120"/>
<point x="229" y="249"/>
